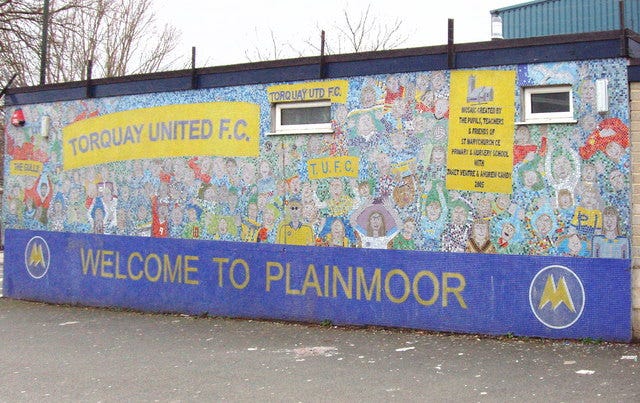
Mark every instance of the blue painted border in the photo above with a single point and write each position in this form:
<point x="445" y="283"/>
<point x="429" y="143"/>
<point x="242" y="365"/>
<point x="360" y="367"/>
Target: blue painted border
<point x="495" y="291"/>
<point x="483" y="54"/>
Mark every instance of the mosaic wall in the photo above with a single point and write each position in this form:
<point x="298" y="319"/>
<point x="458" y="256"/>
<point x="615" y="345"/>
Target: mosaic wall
<point x="570" y="193"/>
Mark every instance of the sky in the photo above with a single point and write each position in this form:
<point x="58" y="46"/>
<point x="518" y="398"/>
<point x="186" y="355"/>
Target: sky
<point x="224" y="31"/>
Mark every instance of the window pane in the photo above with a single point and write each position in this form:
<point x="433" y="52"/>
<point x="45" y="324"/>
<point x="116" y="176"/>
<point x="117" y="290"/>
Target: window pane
<point x="306" y="116"/>
<point x="550" y="102"/>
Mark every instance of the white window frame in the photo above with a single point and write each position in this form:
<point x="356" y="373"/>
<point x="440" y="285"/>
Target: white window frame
<point x="528" y="117"/>
<point x="312" y="128"/>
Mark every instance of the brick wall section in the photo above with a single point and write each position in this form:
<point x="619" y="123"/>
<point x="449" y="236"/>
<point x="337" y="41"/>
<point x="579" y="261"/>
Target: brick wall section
<point x="635" y="177"/>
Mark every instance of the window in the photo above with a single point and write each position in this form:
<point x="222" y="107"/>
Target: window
<point x="552" y="104"/>
<point x="302" y="117"/>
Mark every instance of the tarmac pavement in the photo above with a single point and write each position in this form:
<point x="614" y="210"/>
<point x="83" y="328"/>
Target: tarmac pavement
<point x="65" y="353"/>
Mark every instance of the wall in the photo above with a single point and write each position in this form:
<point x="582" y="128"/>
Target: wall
<point x="635" y="143"/>
<point x="428" y="161"/>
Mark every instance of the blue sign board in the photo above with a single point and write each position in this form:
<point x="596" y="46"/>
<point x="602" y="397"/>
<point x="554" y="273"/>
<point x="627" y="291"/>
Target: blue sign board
<point x="552" y="297"/>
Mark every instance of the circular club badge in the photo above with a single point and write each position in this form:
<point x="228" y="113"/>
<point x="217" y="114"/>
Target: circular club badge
<point x="557" y="297"/>
<point x="36" y="257"/>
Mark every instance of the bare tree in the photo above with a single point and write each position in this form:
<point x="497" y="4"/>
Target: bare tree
<point x="276" y="49"/>
<point x="361" y="33"/>
<point x="119" y="36"/>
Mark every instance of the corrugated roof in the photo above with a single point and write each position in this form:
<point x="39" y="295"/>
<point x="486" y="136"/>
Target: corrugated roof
<point x="557" y="17"/>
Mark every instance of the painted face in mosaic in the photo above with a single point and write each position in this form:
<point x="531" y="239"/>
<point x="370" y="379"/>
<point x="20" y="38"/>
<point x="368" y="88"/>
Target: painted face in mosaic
<point x="459" y="215"/>
<point x="588" y="91"/>
<point x="610" y="221"/>
<point x="265" y="169"/>
<point x="508" y="231"/>
<point x="340" y="115"/>
<point x="484" y="207"/>
<point x="268" y="217"/>
<point x="163" y="212"/>
<point x="295" y="185"/>
<point x="438" y="80"/>
<point x="423" y="81"/>
<point x="231" y="167"/>
<point x="309" y="213"/>
<point x="434" y="210"/>
<point x="384" y="163"/>
<point x="336" y="188"/>
<point x="252" y="211"/>
<point x="589" y="173"/>
<point x="574" y="244"/>
<point x="368" y="97"/>
<point x="530" y="178"/>
<point x="366" y="128"/>
<point x="442" y="106"/>
<point x="614" y="151"/>
<point x="562" y="167"/>
<point x="503" y="201"/>
<point x="420" y="124"/>
<point x="565" y="200"/>
<point x="375" y="222"/>
<point x="248" y="174"/>
<point x="439" y="134"/>
<point x="176" y="216"/>
<point x="616" y="179"/>
<point x="192" y="216"/>
<point x="438" y="156"/>
<point x="337" y="230"/>
<point x="408" y="229"/>
<point x="543" y="225"/>
<point x="481" y="230"/>
<point x="223" y="226"/>
<point x="589" y="198"/>
<point x="210" y="194"/>
<point x="393" y="84"/>
<point x="364" y="189"/>
<point x="263" y="199"/>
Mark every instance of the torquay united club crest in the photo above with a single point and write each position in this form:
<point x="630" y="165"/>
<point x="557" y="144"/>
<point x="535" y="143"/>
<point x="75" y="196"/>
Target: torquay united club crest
<point x="557" y="297"/>
<point x="36" y="257"/>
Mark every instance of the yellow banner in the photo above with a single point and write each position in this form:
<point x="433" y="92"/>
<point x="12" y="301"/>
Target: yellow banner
<point x="229" y="129"/>
<point x="335" y="90"/>
<point x="481" y="129"/>
<point x="333" y="167"/>
<point x="25" y="168"/>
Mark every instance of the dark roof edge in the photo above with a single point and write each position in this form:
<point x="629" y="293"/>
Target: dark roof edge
<point x="467" y="55"/>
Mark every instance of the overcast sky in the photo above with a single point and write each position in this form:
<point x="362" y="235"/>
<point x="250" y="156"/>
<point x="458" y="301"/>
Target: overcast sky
<point x="223" y="31"/>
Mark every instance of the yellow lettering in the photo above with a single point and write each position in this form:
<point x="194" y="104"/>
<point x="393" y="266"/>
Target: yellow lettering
<point x="190" y="269"/>
<point x="119" y="276"/>
<point x="172" y="274"/>
<point x="287" y="281"/>
<point x="347" y="287"/>
<point x="271" y="277"/>
<point x="220" y="261"/>
<point x="89" y="261"/>
<point x="361" y="284"/>
<point x="387" y="288"/>
<point x="416" y="289"/>
<point x="454" y="290"/>
<point x="311" y="280"/>
<point x="232" y="276"/>
<point x="140" y="272"/>
<point x="149" y="277"/>
<point x="105" y="262"/>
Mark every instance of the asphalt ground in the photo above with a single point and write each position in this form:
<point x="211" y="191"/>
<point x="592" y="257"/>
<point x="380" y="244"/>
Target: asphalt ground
<point x="67" y="353"/>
